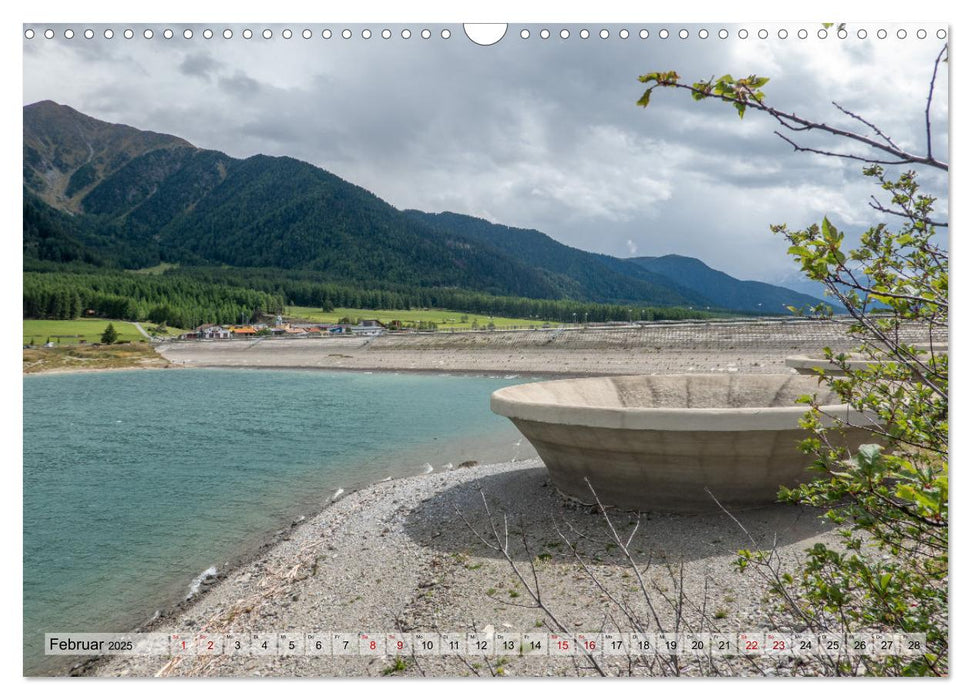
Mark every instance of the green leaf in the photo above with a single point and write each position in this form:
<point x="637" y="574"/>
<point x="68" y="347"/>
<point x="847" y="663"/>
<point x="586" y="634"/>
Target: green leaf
<point x="868" y="457"/>
<point x="829" y="231"/>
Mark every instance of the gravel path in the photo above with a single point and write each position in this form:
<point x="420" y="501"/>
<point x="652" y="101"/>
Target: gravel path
<point x="398" y="556"/>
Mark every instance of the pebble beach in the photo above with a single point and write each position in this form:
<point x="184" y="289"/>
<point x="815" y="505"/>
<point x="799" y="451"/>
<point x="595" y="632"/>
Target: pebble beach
<point x="406" y="555"/>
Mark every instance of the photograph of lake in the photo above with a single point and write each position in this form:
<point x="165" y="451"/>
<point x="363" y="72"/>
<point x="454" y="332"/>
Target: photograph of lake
<point x="439" y="350"/>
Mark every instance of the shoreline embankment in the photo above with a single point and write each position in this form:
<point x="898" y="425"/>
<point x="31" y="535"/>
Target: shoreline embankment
<point x="662" y="348"/>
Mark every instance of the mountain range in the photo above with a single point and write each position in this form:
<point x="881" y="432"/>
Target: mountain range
<point x="114" y="196"/>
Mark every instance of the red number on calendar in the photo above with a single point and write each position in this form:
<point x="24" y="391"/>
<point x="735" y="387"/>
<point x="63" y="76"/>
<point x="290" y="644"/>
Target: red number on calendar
<point x="751" y="645"/>
<point x="210" y="645"/>
<point x="401" y="645"/>
<point x="373" y="645"/>
<point x="779" y="645"/>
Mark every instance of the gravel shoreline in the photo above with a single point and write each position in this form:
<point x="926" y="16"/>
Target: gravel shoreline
<point x="397" y="556"/>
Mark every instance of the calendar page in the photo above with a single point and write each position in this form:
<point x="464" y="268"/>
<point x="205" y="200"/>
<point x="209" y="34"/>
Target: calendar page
<point x="434" y="349"/>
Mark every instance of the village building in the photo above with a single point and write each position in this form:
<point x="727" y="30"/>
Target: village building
<point x="211" y="331"/>
<point x="368" y="327"/>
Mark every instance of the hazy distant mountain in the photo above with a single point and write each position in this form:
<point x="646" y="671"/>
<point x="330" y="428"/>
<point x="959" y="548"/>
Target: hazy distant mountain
<point x="109" y="194"/>
<point x="727" y="290"/>
<point x="600" y="275"/>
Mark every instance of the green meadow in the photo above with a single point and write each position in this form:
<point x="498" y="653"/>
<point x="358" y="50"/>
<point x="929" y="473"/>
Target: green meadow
<point x="36" y="332"/>
<point x="443" y="318"/>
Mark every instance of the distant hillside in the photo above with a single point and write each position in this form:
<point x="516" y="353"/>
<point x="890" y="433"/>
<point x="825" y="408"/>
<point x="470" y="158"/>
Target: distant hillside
<point x="728" y="291"/>
<point x="66" y="153"/>
<point x="99" y="191"/>
<point x="111" y="195"/>
<point x="600" y="275"/>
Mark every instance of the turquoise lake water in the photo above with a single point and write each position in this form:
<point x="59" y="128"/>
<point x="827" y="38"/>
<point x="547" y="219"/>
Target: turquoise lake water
<point x="136" y="482"/>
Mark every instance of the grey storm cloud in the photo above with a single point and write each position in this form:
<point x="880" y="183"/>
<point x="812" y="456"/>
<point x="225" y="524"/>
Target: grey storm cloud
<point x="201" y="65"/>
<point x="534" y="133"/>
<point x="240" y="85"/>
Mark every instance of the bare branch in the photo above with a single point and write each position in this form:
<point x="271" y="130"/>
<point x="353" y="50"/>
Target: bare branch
<point x="794" y="122"/>
<point x="875" y="204"/>
<point x="833" y="154"/>
<point x="930" y="97"/>
<point x="873" y="126"/>
<point x="775" y="578"/>
<point x="502" y="546"/>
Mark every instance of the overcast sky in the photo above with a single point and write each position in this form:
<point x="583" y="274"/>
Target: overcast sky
<point x="532" y="133"/>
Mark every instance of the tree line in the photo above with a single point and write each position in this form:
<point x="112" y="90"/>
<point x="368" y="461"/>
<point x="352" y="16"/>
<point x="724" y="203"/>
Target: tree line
<point x="188" y="297"/>
<point x="300" y="289"/>
<point x="175" y="301"/>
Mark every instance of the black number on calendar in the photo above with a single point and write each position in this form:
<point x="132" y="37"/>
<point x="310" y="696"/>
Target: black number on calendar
<point x="482" y="645"/>
<point x="697" y="645"/>
<point x="805" y="644"/>
<point x="913" y="644"/>
<point x="721" y="645"/>
<point x="508" y="645"/>
<point x="264" y="645"/>
<point x="237" y="645"/>
<point x="616" y="645"/>
<point x="453" y="646"/>
<point x="886" y="644"/>
<point x="318" y="646"/>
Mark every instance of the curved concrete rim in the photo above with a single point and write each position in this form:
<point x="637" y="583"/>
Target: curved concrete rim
<point x="672" y="419"/>
<point x="809" y="362"/>
<point x="854" y="362"/>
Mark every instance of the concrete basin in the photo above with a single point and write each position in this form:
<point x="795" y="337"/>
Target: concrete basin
<point x="655" y="443"/>
<point x="809" y="364"/>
